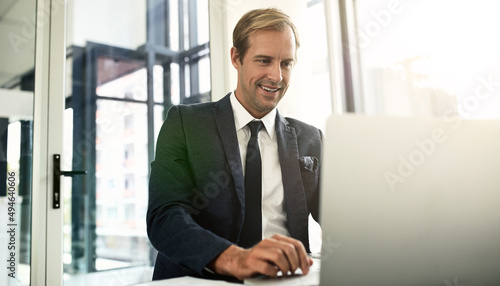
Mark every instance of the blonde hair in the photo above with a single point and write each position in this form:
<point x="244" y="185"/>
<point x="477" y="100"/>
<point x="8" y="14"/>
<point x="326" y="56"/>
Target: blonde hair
<point x="260" y="19"/>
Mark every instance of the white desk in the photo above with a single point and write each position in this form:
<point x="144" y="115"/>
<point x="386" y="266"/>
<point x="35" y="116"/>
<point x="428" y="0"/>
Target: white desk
<point x="186" y="281"/>
<point x="312" y="278"/>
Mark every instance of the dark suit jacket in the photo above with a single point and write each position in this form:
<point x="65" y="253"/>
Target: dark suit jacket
<point x="196" y="188"/>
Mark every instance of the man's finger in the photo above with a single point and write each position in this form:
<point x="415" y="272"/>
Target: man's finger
<point x="303" y="259"/>
<point x="272" y="253"/>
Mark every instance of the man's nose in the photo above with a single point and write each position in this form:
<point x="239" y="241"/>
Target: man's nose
<point x="274" y="74"/>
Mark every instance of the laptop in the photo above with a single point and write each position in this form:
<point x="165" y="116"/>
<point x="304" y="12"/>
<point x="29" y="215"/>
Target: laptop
<point x="410" y="201"/>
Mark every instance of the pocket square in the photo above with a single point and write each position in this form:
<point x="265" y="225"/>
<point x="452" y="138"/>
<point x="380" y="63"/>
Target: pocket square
<point x="309" y="163"/>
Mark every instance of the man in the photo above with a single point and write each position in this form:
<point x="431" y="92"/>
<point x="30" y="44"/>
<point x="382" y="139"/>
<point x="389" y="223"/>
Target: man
<point x="201" y="215"/>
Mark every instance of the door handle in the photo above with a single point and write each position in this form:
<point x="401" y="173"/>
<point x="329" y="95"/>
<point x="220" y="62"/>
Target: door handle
<point x="56" y="192"/>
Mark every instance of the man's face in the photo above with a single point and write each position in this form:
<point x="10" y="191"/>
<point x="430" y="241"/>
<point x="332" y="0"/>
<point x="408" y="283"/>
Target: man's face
<point x="265" y="70"/>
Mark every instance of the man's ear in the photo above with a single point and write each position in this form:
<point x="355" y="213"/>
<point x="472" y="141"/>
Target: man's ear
<point x="235" y="58"/>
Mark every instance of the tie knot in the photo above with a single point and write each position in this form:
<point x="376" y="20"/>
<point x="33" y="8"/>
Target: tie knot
<point x="255" y="127"/>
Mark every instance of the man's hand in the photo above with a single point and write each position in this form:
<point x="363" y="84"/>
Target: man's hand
<point x="267" y="257"/>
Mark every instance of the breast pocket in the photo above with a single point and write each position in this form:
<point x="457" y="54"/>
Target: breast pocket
<point x="309" y="169"/>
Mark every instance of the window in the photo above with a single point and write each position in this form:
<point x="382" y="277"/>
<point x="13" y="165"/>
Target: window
<point x="424" y="58"/>
<point x="123" y="79"/>
<point x="314" y="49"/>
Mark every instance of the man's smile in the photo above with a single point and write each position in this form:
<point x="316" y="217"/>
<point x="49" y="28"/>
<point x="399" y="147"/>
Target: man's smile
<point x="269" y="89"/>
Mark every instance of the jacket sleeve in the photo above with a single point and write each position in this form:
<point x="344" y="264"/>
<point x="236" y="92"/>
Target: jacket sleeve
<point x="173" y="198"/>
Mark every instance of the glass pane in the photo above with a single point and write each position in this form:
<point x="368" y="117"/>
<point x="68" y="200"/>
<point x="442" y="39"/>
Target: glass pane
<point x="173" y="14"/>
<point x="121" y="185"/>
<point x="187" y="80"/>
<point x="433" y="58"/>
<point x="105" y="237"/>
<point x="133" y="83"/>
<point x="158" y="83"/>
<point x="17" y="31"/>
<point x="159" y="118"/>
<point x="185" y="20"/>
<point x="203" y="33"/>
<point x="204" y="74"/>
<point x="104" y="211"/>
<point x="175" y="87"/>
<point x="314" y="49"/>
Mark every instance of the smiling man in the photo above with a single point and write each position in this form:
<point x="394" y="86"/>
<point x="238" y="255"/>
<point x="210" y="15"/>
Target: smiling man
<point x="233" y="181"/>
<point x="264" y="70"/>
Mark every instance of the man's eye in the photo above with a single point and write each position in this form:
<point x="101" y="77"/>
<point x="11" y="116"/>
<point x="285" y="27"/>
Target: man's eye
<point x="263" y="61"/>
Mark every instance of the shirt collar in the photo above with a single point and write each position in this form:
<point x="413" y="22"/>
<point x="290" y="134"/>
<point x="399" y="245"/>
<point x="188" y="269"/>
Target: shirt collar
<point x="242" y="117"/>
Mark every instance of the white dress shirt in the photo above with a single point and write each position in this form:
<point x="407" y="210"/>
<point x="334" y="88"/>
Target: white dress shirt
<point x="273" y="211"/>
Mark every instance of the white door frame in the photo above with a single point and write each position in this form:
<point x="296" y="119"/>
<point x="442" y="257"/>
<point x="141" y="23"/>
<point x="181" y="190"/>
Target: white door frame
<point x="49" y="95"/>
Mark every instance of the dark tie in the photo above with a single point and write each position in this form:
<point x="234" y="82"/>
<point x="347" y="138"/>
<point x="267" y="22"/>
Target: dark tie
<point x="251" y="233"/>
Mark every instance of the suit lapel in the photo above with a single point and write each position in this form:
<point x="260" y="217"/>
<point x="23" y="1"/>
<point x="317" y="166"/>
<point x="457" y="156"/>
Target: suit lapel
<point x="295" y="199"/>
<point x="224" y="119"/>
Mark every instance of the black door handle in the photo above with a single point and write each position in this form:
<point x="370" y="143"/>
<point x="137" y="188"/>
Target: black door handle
<point x="56" y="193"/>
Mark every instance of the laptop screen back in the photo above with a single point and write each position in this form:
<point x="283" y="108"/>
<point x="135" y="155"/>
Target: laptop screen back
<point x="410" y="201"/>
